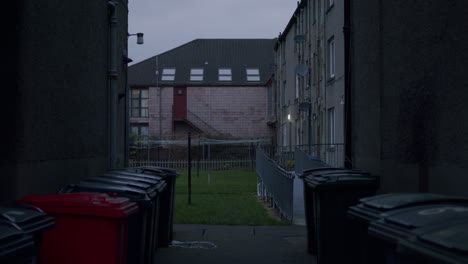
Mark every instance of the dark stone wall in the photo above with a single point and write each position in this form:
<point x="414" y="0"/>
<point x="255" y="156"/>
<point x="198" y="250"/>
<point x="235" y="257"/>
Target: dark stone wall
<point x="419" y="55"/>
<point x="61" y="91"/>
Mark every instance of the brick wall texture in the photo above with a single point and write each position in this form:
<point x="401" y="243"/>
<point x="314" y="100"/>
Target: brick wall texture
<point x="235" y="112"/>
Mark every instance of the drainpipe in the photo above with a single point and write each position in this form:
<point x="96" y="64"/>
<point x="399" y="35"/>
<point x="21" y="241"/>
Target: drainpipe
<point x="347" y="88"/>
<point x="113" y="75"/>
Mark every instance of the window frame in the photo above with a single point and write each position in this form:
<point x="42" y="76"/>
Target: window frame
<point x="331" y="47"/>
<point x="138" y="127"/>
<point x="193" y="74"/>
<point x="251" y="75"/>
<point x="143" y="111"/>
<point x="168" y="74"/>
<point x="224" y="76"/>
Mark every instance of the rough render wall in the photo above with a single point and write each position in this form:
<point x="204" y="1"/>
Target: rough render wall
<point x="409" y="94"/>
<point x="60" y="113"/>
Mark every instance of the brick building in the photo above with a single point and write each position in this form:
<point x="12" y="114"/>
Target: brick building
<point x="213" y="87"/>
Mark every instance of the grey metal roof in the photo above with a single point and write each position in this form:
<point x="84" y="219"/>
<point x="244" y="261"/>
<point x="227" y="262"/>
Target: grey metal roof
<point x="209" y="54"/>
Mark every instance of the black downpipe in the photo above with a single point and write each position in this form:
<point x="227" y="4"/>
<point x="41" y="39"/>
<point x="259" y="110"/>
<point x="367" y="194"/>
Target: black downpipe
<point x="347" y="88"/>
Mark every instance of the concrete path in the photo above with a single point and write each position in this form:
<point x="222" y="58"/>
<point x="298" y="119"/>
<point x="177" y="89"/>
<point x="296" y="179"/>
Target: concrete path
<point x="205" y="244"/>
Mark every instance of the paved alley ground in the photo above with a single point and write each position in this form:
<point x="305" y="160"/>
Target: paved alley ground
<point x="205" y="244"/>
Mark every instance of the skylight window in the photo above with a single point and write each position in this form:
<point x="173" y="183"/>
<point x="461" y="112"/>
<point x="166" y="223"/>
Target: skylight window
<point x="196" y="74"/>
<point x="168" y="74"/>
<point x="253" y="74"/>
<point x="225" y="74"/>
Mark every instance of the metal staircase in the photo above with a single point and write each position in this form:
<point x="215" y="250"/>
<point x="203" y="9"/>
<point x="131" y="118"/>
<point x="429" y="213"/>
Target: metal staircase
<point x="198" y="123"/>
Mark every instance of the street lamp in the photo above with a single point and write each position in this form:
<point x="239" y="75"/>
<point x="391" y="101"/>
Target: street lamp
<point x="139" y="37"/>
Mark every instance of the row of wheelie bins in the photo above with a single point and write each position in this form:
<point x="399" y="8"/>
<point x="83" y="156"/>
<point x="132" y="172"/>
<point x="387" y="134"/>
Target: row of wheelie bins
<point x="21" y="228"/>
<point x="120" y="216"/>
<point x="348" y="223"/>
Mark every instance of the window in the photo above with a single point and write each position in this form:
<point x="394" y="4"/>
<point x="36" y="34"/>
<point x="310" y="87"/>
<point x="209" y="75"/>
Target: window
<point x="285" y="134"/>
<point x="331" y="125"/>
<point x="168" y="74"/>
<point x="331" y="57"/>
<point x="225" y="74"/>
<point x="297" y="86"/>
<point x="253" y="74"/>
<point x="196" y="74"/>
<point x="139" y="103"/>
<point x="139" y="130"/>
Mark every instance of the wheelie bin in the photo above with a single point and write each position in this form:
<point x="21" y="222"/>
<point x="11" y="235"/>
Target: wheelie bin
<point x="309" y="204"/>
<point x="154" y="189"/>
<point x="445" y="243"/>
<point x="160" y="187"/>
<point x="90" y="227"/>
<point x="137" y="236"/>
<point x="367" y="249"/>
<point x="332" y="194"/>
<point x="32" y="221"/>
<point x="404" y="224"/>
<point x="167" y="200"/>
<point x="16" y="247"/>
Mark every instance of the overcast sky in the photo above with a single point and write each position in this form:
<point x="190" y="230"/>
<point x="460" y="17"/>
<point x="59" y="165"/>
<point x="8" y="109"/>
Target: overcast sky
<point x="167" y="24"/>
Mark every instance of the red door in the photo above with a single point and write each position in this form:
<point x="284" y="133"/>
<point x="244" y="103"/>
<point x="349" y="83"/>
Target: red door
<point x="180" y="103"/>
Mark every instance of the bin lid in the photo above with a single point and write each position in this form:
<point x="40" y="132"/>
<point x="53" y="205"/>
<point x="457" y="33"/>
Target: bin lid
<point x="129" y="183"/>
<point x="327" y="170"/>
<point x="450" y="237"/>
<point x="29" y="218"/>
<point x="344" y="180"/>
<point x="425" y="215"/>
<point x="155" y="169"/>
<point x="371" y="207"/>
<point x="134" y="194"/>
<point x="402" y="223"/>
<point x="445" y="243"/>
<point x="13" y="241"/>
<point x="136" y="174"/>
<point x="83" y="203"/>
<point x="116" y="175"/>
<point x="397" y="200"/>
<point x="157" y="185"/>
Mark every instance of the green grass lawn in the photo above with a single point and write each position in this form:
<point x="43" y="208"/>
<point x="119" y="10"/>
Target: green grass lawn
<point x="224" y="198"/>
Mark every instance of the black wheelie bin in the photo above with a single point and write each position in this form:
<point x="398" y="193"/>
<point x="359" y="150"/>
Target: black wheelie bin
<point x="32" y="221"/>
<point x="333" y="193"/>
<point x="308" y="201"/>
<point x="367" y="249"/>
<point x="138" y="251"/>
<point x="16" y="247"/>
<point x="167" y="200"/>
<point x="445" y="243"/>
<point x="407" y="223"/>
<point x="155" y="188"/>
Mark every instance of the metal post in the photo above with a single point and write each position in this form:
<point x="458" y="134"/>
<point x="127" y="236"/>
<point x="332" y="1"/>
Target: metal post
<point x="189" y="168"/>
<point x="310" y="130"/>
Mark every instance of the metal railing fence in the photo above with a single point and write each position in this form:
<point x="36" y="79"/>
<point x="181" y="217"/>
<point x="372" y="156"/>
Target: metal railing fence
<point x="332" y="154"/>
<point x="303" y="161"/>
<point x="275" y="184"/>
<point x="198" y="165"/>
